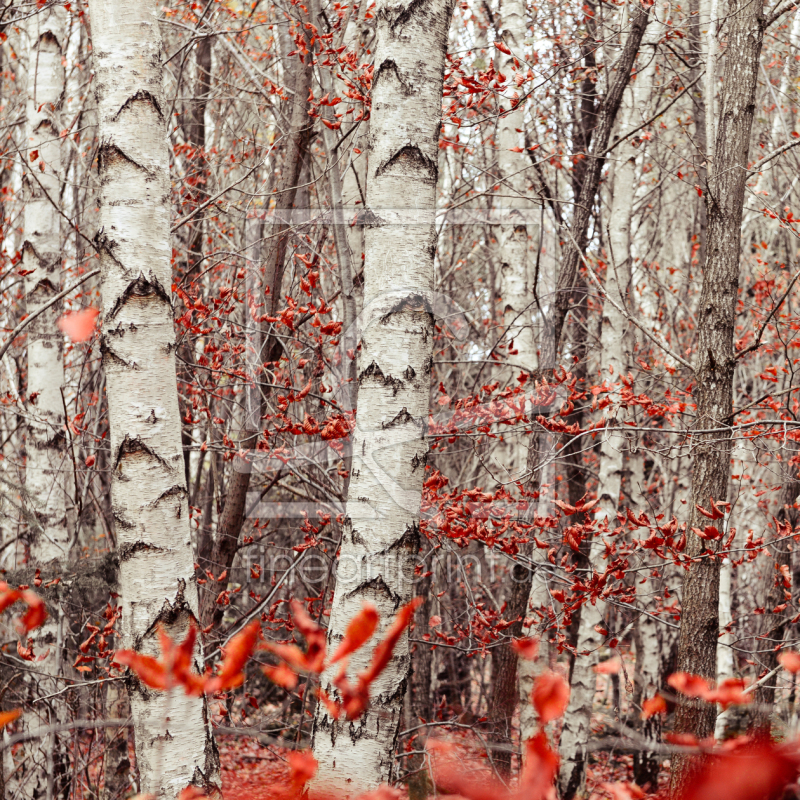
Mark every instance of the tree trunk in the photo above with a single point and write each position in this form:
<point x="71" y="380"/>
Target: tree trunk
<point x="276" y="239"/>
<point x="174" y="743"/>
<point x="615" y="351"/>
<point x="596" y="157"/>
<point x="715" y="361"/>
<point x="47" y="463"/>
<point x="381" y="533"/>
<point x="775" y="621"/>
<point x="517" y="235"/>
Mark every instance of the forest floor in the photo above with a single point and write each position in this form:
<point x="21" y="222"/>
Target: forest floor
<point x="251" y="771"/>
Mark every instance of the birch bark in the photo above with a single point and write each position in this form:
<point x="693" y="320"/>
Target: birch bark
<point x="46" y="456"/>
<point x="174" y="744"/>
<point x="381" y="533"/>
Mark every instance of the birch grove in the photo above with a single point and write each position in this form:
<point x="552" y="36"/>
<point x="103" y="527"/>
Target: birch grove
<point x="399" y="396"/>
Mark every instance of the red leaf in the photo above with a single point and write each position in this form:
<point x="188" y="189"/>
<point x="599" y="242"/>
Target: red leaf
<point x="729" y="693"/>
<point x="282" y="675"/>
<point x="715" y="513"/>
<point x="302" y="768"/>
<point x="539" y="769"/>
<point x="8" y="596"/>
<point x="526" y="648"/>
<point x="148" y="669"/>
<point x="36" y="613"/>
<point x="610" y="667"/>
<point x="688" y="684"/>
<point x="502" y="47"/>
<point x="620" y="790"/>
<point x="758" y="772"/>
<point x="790" y="661"/>
<point x="550" y="696"/>
<point x="237" y="653"/>
<point x="79" y="325"/>
<point x="7" y="717"/>
<point x="655" y="705"/>
<point x="383" y="651"/>
<point x="191" y="793"/>
<point x="25" y="653"/>
<point x="360" y="629"/>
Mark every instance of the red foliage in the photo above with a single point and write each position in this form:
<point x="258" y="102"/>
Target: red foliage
<point x="550" y="696"/>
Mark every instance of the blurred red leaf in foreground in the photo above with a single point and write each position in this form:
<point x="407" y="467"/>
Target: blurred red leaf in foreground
<point x="79" y="325"/>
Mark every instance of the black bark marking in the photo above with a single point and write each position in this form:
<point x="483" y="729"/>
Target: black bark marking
<point x="174" y="491"/>
<point x="419" y="460"/>
<point x="411" y="158"/>
<point x="403" y="17"/>
<point x="48" y="266"/>
<point x="400" y="418"/>
<point x="387" y="66"/>
<point x="133" y="446"/>
<point x="140" y="96"/>
<point x="409" y="541"/>
<point x="415" y="303"/>
<point x="379" y="587"/>
<point x="369" y="219"/>
<point x="128" y="551"/>
<point x="374" y="371"/>
<point x="109" y="154"/>
<point x="121" y="522"/>
<point x="141" y="288"/>
<point x="108" y="352"/>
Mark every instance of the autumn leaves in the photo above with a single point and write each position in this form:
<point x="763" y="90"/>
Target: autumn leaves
<point x="174" y="667"/>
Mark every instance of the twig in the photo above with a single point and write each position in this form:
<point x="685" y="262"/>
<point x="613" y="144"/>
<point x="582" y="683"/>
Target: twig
<point x="31" y="317"/>
<point x="771" y="314"/>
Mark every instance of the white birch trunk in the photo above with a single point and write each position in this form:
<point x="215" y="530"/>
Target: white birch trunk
<point x="724" y="649"/>
<point x="517" y="228"/>
<point x="174" y="745"/>
<point x="47" y="462"/>
<point x="381" y="535"/>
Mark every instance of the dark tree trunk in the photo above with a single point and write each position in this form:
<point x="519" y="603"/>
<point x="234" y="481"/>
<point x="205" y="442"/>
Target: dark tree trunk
<point x="715" y="362"/>
<point x="276" y="241"/>
<point x="774" y="623"/>
<point x="577" y="239"/>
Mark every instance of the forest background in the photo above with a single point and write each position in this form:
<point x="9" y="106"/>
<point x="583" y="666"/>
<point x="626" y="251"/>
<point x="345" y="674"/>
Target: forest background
<point x="398" y="397"/>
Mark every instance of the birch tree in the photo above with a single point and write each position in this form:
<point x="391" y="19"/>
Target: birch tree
<point x="174" y="745"/>
<point x="381" y="536"/>
<point x="47" y="461"/>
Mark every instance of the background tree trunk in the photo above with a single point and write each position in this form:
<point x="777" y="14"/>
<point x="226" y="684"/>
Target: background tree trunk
<point x="715" y="361"/>
<point x="47" y="463"/>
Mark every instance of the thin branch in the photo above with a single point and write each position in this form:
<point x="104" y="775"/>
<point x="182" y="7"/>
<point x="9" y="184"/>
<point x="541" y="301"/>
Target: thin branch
<point x="771" y="314"/>
<point x="31" y="317"/>
<point x="624" y="311"/>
